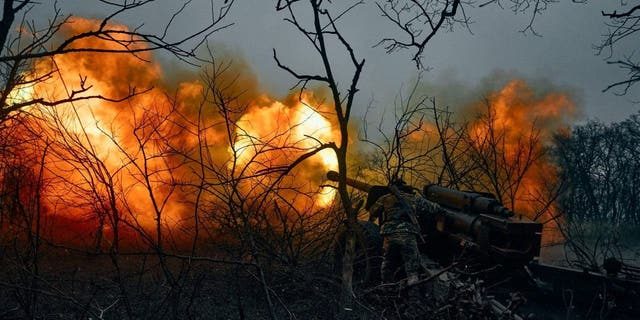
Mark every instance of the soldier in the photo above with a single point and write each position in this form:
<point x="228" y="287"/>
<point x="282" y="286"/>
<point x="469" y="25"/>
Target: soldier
<point x="399" y="231"/>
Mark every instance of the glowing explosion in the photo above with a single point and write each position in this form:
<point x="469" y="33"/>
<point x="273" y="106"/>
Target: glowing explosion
<point x="513" y="136"/>
<point x="131" y="160"/>
<point x="136" y="156"/>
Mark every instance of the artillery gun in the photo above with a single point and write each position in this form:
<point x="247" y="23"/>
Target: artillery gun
<point x="468" y="221"/>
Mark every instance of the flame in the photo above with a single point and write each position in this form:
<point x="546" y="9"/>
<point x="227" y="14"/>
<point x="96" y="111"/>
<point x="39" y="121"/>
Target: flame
<point x="523" y="124"/>
<point x="153" y="131"/>
<point x="273" y="135"/>
<point x="515" y="110"/>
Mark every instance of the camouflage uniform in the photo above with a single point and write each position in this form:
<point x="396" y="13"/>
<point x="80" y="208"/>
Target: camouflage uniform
<point x="399" y="233"/>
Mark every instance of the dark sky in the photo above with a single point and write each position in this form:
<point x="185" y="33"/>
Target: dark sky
<point x="563" y="55"/>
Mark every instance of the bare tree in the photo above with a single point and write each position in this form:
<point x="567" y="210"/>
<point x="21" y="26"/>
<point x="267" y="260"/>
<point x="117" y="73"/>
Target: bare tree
<point x="321" y="32"/>
<point x="22" y="205"/>
<point x="248" y="199"/>
<point x="503" y="160"/>
<point x="600" y="201"/>
<point x="480" y="153"/>
<point x="413" y="149"/>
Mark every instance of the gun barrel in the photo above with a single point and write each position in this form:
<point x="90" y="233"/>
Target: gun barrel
<point x="466" y="201"/>
<point x="360" y="185"/>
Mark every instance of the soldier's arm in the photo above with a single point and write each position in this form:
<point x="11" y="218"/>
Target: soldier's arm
<point x="426" y="207"/>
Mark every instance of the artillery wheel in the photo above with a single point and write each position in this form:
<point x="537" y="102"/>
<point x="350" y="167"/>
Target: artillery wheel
<point x="368" y="260"/>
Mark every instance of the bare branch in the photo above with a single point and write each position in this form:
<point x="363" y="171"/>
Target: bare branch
<point x="413" y="18"/>
<point x="615" y="13"/>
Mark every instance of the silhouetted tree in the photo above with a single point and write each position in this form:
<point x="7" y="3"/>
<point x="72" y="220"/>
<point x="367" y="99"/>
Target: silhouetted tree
<point x="600" y="168"/>
<point x="424" y="145"/>
<point x="321" y="32"/>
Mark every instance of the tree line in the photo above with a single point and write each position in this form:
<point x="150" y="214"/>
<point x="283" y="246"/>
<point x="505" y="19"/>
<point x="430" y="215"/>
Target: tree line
<point x="600" y="168"/>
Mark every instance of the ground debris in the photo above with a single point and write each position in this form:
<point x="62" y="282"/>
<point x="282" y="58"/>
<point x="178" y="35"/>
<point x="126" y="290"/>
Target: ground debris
<point x="444" y="297"/>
